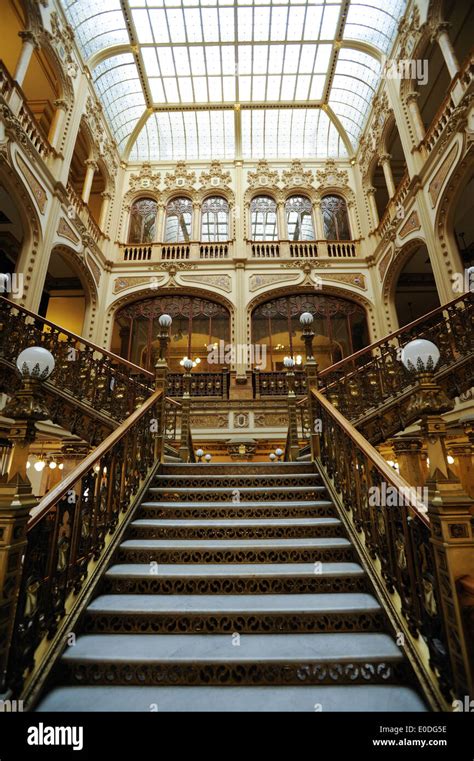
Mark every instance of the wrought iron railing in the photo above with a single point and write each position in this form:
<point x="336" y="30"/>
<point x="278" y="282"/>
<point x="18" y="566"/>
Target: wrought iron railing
<point x="395" y="535"/>
<point x="369" y="383"/>
<point x="275" y="384"/>
<point x="100" y="380"/>
<point x="202" y="384"/>
<point x="70" y="532"/>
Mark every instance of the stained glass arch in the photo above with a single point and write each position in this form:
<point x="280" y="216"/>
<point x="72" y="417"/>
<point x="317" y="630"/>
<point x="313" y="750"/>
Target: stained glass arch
<point x="142" y="227"/>
<point x="335" y="216"/>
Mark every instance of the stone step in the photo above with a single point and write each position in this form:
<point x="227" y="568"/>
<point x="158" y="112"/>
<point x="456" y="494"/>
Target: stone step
<point x="187" y="659"/>
<point x="268" y="699"/>
<point x="170" y="614"/>
<point x="264" y="578"/>
<point x="235" y="529"/>
<point x="268" y="479"/>
<point x="189" y="469"/>
<point x="233" y="494"/>
<point x="337" y="549"/>
<point x="226" y="510"/>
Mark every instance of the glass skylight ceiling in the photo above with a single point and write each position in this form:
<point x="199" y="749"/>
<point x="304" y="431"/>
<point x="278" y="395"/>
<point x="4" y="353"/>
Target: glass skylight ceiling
<point x="169" y="73"/>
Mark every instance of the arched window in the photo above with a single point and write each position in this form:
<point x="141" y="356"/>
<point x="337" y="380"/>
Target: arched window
<point x="263" y="214"/>
<point x="335" y="218"/>
<point x="215" y="220"/>
<point x="179" y="216"/>
<point x="142" y="221"/>
<point x="299" y="218"/>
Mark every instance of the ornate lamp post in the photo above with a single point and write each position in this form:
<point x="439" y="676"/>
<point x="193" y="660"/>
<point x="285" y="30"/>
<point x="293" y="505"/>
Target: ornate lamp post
<point x="306" y="320"/>
<point x="164" y="321"/>
<point x="26" y="407"/>
<point x="293" y="448"/>
<point x="161" y="380"/>
<point x="184" y="453"/>
<point x="448" y="508"/>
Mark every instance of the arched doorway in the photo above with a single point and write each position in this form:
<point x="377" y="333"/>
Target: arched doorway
<point x="64" y="299"/>
<point x="463" y="224"/>
<point x="415" y="288"/>
<point x="198" y="325"/>
<point x="340" y="328"/>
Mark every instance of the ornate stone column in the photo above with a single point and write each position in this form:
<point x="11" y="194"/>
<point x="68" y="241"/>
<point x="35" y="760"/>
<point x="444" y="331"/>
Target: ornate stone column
<point x="408" y="453"/>
<point x="384" y="162"/>
<point x="414" y="110"/>
<point x="30" y="43"/>
<point x="443" y="39"/>
<point x="373" y="207"/>
<point x="87" y="187"/>
<point x="104" y="209"/>
<point x="318" y="220"/>
<point x="55" y="130"/>
<point x="282" y="230"/>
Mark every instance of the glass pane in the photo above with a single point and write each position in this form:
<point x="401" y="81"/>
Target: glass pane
<point x="179" y="215"/>
<point x="215" y="216"/>
<point x="263" y="212"/>
<point x="143" y="221"/>
<point x="335" y="218"/>
<point x="299" y="218"/>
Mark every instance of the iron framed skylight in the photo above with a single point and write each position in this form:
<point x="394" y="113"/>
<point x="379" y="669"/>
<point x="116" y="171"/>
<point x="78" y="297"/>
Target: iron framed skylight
<point x="158" y="64"/>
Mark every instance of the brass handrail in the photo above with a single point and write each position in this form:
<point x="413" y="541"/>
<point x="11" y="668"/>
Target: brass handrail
<point x="61" y="489"/>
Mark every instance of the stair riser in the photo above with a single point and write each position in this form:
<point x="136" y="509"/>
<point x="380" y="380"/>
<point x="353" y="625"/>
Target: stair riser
<point x="231" y="512"/>
<point x="221" y="623"/>
<point x="233" y="469"/>
<point x="231" y="585"/>
<point x="280" y="555"/>
<point x="356" y="672"/>
<point x="242" y="495"/>
<point x="250" y="532"/>
<point x="295" y="482"/>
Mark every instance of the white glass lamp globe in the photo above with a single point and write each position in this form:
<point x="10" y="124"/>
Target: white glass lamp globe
<point x="199" y="452"/>
<point x="272" y="456"/>
<point x="208" y="457"/>
<point x="420" y="355"/>
<point x="39" y="465"/>
<point x="165" y="320"/>
<point x="306" y="319"/>
<point x="188" y="365"/>
<point x="53" y="464"/>
<point x="289" y="362"/>
<point x="35" y="362"/>
<point x="278" y="452"/>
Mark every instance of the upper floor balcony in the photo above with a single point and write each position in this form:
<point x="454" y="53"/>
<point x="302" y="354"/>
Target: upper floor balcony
<point x="280" y="249"/>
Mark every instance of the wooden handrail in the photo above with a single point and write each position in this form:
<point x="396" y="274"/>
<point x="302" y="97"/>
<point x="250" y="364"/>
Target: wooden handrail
<point x="390" y="336"/>
<point x="374" y="456"/>
<point x="81" y="339"/>
<point x="59" y="491"/>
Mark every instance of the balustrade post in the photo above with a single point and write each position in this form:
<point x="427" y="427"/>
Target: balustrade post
<point x="408" y="454"/>
<point x="293" y="446"/>
<point x="184" y="452"/>
<point x="463" y="454"/>
<point x="161" y="383"/>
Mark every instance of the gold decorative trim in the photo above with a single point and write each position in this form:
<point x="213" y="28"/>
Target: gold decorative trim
<point x="34" y="185"/>
<point x="412" y="224"/>
<point x="122" y="283"/>
<point x="65" y="231"/>
<point x="438" y="181"/>
<point x="215" y="281"/>
<point x="260" y="281"/>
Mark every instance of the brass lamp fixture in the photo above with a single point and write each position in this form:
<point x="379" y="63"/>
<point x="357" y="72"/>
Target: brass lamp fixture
<point x="165" y="321"/>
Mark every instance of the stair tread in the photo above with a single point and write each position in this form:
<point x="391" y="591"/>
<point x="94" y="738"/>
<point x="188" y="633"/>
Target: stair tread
<point x="142" y="570"/>
<point x="246" y="476"/>
<point x="242" y="505"/>
<point x="360" y="698"/>
<point x="231" y="522"/>
<point x="316" y="603"/>
<point x="219" y="647"/>
<point x="224" y="544"/>
<point x="231" y="489"/>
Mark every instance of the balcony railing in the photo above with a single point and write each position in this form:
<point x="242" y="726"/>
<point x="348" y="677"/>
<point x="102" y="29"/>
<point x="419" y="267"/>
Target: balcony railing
<point x="146" y="252"/>
<point x="214" y="385"/>
<point x="275" y="384"/>
<point x="286" y="249"/>
<point x="83" y="212"/>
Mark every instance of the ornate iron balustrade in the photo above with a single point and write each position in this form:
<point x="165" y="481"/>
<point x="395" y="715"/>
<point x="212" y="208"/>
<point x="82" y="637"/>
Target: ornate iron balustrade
<point x="369" y="387"/>
<point x="202" y="384"/>
<point x="275" y="384"/>
<point x="395" y="536"/>
<point x="70" y="536"/>
<point x="101" y="382"/>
